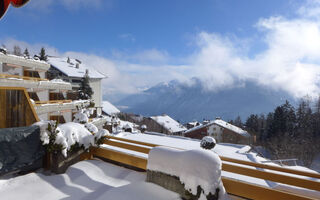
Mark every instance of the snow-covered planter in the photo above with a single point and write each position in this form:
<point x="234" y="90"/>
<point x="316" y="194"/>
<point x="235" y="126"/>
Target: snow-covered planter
<point x="66" y="142"/>
<point x="208" y="142"/>
<point x="194" y="174"/>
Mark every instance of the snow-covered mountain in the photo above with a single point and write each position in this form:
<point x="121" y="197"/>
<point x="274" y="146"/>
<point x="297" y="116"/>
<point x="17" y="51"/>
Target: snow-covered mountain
<point x="186" y="103"/>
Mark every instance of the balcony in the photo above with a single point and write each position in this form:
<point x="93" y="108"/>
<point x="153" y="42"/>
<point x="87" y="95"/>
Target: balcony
<point x="32" y="83"/>
<point x="43" y="107"/>
<point x="35" y="65"/>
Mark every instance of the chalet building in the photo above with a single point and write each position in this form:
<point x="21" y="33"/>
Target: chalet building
<point x="190" y="125"/>
<point x="28" y="96"/>
<point x="222" y="131"/>
<point x="165" y="124"/>
<point x="72" y="71"/>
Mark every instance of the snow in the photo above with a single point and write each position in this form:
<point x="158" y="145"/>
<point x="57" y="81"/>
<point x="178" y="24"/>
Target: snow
<point x="231" y="127"/>
<point x="81" y="117"/>
<point x="70" y="68"/>
<point x="236" y="151"/>
<point x="108" y="108"/>
<point x="91" y="179"/>
<point x="193" y="167"/>
<point x="91" y="127"/>
<point x="72" y="133"/>
<point x="169" y="123"/>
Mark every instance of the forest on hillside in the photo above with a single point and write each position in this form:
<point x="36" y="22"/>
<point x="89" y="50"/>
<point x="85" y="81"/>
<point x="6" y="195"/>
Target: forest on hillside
<point x="287" y="132"/>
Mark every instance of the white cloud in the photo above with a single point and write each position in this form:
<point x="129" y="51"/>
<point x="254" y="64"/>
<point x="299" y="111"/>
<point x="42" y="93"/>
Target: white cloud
<point x="290" y="62"/>
<point x="127" y="37"/>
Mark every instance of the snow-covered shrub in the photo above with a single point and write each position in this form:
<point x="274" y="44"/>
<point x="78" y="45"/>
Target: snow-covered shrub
<point x="208" y="142"/>
<point x="82" y="116"/>
<point x="99" y="137"/>
<point x="91" y="127"/>
<point x="69" y="136"/>
<point x="51" y="138"/>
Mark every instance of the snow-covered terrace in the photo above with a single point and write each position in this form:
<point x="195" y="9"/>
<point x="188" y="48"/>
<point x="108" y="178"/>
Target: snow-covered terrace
<point x="55" y="106"/>
<point x="34" y="84"/>
<point x="32" y="64"/>
<point x="93" y="179"/>
<point x="235" y="151"/>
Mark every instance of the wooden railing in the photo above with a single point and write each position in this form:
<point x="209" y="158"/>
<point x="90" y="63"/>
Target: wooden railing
<point x="232" y="186"/>
<point x="38" y="103"/>
<point x="22" y="77"/>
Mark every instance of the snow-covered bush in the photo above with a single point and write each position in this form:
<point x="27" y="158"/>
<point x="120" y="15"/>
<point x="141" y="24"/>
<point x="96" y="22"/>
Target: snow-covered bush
<point x="208" y="142"/>
<point x="82" y="116"/>
<point x="69" y="136"/>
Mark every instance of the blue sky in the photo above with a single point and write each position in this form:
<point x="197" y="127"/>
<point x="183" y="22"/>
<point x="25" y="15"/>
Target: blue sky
<point x="143" y="42"/>
<point x="135" y="25"/>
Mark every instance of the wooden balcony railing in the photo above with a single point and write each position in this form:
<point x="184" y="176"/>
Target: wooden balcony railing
<point x="22" y="77"/>
<point x="39" y="103"/>
<point x="233" y="187"/>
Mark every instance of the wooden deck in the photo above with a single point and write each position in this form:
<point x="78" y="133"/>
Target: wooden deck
<point x="237" y="189"/>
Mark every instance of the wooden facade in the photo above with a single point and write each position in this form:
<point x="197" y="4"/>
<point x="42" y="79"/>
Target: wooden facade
<point x="16" y="109"/>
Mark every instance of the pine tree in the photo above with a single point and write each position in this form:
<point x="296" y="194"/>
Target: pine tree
<point x="42" y="54"/>
<point x="85" y="91"/>
<point x="26" y="53"/>
<point x="16" y="50"/>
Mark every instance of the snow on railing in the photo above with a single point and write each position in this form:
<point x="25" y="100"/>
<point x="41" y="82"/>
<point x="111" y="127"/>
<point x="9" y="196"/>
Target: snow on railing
<point x="235" y="187"/>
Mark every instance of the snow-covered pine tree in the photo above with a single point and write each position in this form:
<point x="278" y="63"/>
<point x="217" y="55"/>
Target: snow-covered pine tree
<point x="42" y="54"/>
<point x="26" y="53"/>
<point x="85" y="91"/>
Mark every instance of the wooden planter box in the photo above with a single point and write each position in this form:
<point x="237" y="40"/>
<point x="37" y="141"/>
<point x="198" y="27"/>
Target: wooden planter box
<point x="58" y="164"/>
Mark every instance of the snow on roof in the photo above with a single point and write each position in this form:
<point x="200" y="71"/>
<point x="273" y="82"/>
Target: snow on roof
<point x="169" y="123"/>
<point x="109" y="108"/>
<point x="223" y="124"/>
<point x="231" y="127"/>
<point x="71" y="70"/>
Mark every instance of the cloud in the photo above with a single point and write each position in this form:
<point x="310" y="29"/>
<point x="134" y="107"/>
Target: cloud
<point x="290" y="62"/>
<point x="124" y="77"/>
<point x="127" y="37"/>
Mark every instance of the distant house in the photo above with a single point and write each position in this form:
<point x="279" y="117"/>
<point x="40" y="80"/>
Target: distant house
<point x="193" y="124"/>
<point x="109" y="109"/>
<point x="165" y="124"/>
<point x="73" y="71"/>
<point x="222" y="131"/>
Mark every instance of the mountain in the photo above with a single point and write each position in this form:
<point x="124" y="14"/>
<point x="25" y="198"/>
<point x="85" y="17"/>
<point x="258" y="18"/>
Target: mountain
<point x="186" y="103"/>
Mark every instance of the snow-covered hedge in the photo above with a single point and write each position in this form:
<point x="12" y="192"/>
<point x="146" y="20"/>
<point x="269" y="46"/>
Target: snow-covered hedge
<point x="65" y="136"/>
<point x="193" y="168"/>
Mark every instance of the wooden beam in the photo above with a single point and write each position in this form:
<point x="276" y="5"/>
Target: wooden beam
<point x="133" y="141"/>
<point x="131" y="160"/>
<point x="304" y="183"/>
<point x="128" y="146"/>
<point x="252" y="191"/>
<point x="276" y="168"/>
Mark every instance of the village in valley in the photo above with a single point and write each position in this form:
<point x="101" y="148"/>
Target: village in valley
<point x="78" y="125"/>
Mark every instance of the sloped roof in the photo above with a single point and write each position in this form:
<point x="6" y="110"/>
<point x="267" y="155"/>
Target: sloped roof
<point x="169" y="123"/>
<point x="70" y="68"/>
<point x="109" y="108"/>
<point x="223" y="124"/>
